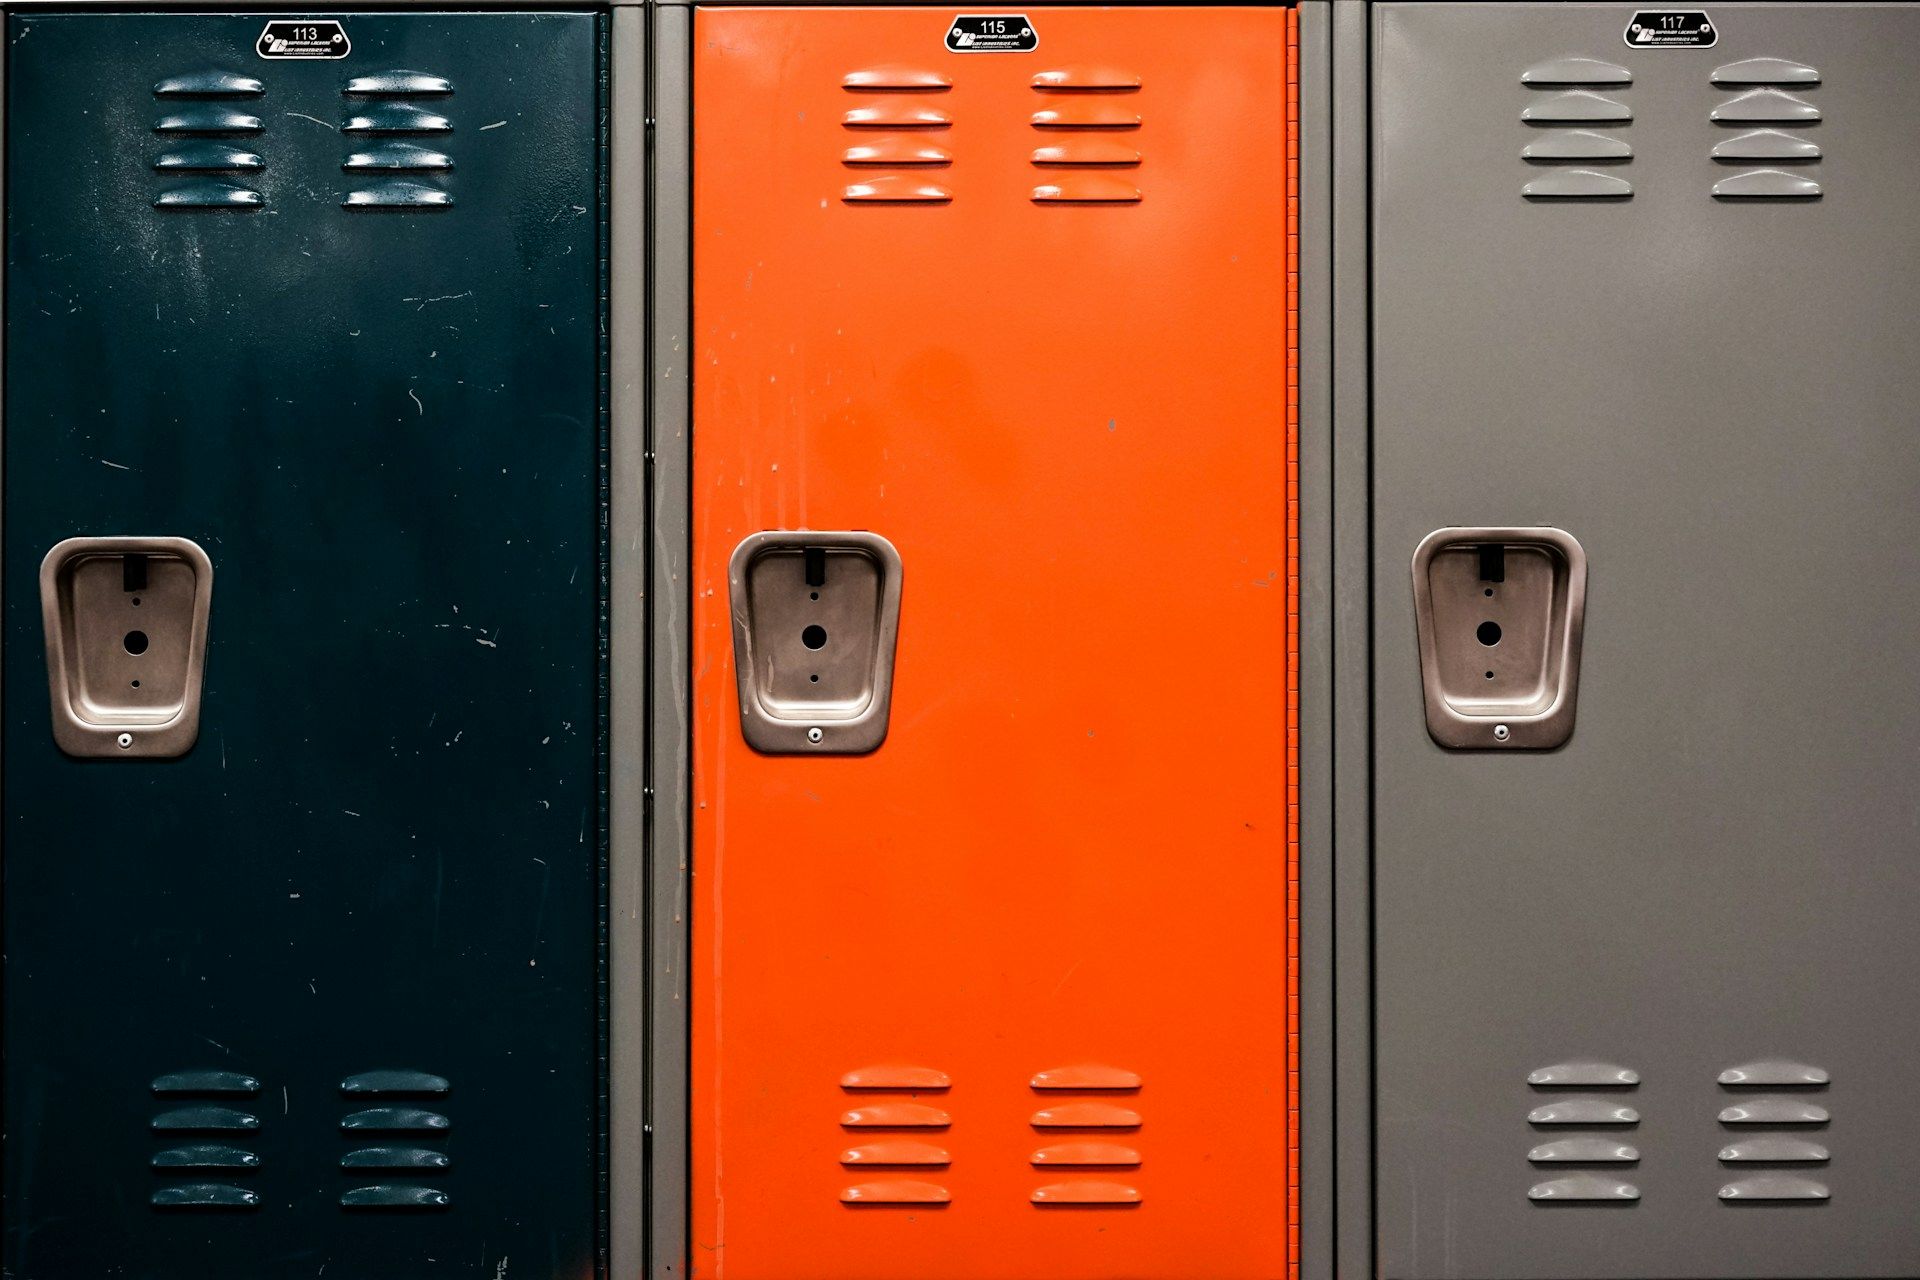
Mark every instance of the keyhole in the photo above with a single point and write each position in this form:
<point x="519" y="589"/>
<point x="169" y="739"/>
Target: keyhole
<point x="136" y="642"/>
<point x="1488" y="633"/>
<point x="814" y="637"/>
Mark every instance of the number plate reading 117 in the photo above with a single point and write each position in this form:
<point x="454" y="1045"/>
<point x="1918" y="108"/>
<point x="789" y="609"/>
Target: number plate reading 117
<point x="1671" y="29"/>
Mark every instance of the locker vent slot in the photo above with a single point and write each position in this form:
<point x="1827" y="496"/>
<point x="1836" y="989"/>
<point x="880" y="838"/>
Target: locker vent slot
<point x="209" y="84"/>
<point x="1583" y="1111"/>
<point x="1584" y="1187"/>
<point x="1089" y="1075"/>
<point x="1089" y="1154"/>
<point x="390" y="126"/>
<point x="895" y="188"/>
<point x="207" y="155"/>
<point x="1578" y="184"/>
<point x="908" y="1078"/>
<point x="1583" y="1075"/>
<point x="1091" y="153"/>
<point x="395" y="1120"/>
<point x="398" y="84"/>
<point x="1774" y="1074"/>
<point x="205" y="193"/>
<point x="1584" y="1151"/>
<point x="204" y="1195"/>
<point x="1765" y="106"/>
<point x="1794" y="1111"/>
<point x="207" y="1119"/>
<point x="205" y="1082"/>
<point x="1578" y="106"/>
<point x="417" y="1159"/>
<point x="398" y="157"/>
<point x="1086" y="1191"/>
<point x="395" y="1197"/>
<point x="1577" y="144"/>
<point x="404" y="1158"/>
<point x="895" y="1115"/>
<point x="900" y="1153"/>
<point x="1558" y="71"/>
<point x="895" y="1153"/>
<point x="1087" y="80"/>
<point x="1086" y="1115"/>
<point x="1773" y="1186"/>
<point x="395" y="193"/>
<point x="205" y="1155"/>
<point x="895" y="80"/>
<point x="396" y="118"/>
<point x="1766" y="71"/>
<point x="1776" y="1150"/>
<point x="208" y="118"/>
<point x="1085" y="115"/>
<point x="896" y="115"/>
<point x="905" y="153"/>
<point x="1766" y="184"/>
<point x="1086" y="188"/>
<point x="895" y="1191"/>
<point x="1766" y="144"/>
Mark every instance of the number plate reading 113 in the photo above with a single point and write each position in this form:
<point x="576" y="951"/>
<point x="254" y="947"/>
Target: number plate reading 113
<point x="992" y="33"/>
<point x="313" y="38"/>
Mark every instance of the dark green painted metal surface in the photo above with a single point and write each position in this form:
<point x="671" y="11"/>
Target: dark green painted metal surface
<point x="384" y="851"/>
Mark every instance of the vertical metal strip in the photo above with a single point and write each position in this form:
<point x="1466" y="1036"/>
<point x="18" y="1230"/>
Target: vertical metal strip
<point x="670" y="452"/>
<point x="1353" y="638"/>
<point x="627" y="961"/>
<point x="1293" y="643"/>
<point x="1315" y="359"/>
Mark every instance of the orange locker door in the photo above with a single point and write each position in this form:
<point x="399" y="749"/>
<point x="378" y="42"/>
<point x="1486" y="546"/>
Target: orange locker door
<point x="1009" y="996"/>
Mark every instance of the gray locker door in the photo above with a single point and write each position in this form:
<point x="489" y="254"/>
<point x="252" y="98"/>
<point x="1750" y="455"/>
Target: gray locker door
<point x="1720" y="398"/>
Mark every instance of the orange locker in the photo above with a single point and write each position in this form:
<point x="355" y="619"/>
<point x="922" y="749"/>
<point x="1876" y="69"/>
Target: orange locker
<point x="994" y="853"/>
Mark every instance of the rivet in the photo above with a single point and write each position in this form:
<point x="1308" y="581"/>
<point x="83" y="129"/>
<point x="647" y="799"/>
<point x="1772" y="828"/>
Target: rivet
<point x="125" y="740"/>
<point x="1500" y="732"/>
<point x="814" y="735"/>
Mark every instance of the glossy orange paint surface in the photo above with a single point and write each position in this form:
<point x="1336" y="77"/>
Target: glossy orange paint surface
<point x="1011" y="998"/>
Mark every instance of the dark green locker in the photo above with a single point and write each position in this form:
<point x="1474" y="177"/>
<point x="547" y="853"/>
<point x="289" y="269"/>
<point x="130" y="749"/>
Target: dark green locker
<point x="319" y="996"/>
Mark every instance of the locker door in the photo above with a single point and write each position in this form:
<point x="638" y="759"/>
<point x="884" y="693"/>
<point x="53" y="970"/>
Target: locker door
<point x="313" y="997"/>
<point x="1009" y="994"/>
<point x="1711" y="885"/>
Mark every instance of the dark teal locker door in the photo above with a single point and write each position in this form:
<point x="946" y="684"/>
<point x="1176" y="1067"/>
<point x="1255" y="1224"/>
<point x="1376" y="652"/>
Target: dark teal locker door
<point x="376" y="407"/>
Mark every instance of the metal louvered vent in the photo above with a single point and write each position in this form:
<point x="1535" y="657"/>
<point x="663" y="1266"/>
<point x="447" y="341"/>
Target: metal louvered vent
<point x="1577" y="120"/>
<point x="1089" y="119"/>
<point x="896" y="136"/>
<point x="206" y="125"/>
<point x="1583" y="1095"/>
<point x="1089" y="1165"/>
<point x="397" y="162"/>
<point x="403" y="1139"/>
<point x="1773" y="1123"/>
<point x="203" y="1132"/>
<point x="896" y="1168"/>
<point x="1769" y="120"/>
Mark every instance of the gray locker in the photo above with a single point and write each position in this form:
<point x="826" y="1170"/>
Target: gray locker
<point x="1662" y="299"/>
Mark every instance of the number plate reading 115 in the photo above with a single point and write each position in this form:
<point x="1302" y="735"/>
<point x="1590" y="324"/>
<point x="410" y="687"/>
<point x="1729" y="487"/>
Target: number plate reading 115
<point x="992" y="33"/>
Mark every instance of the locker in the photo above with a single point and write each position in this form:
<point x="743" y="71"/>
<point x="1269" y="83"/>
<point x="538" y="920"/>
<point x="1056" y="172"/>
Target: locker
<point x="1644" y="1000"/>
<point x="302" y="773"/>
<point x="997" y="986"/>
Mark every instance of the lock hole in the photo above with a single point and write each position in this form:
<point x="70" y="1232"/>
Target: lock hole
<point x="136" y="642"/>
<point x="1488" y="633"/>
<point x="136" y="684"/>
<point x="1489" y="675"/>
<point x="813" y="595"/>
<point x="814" y="637"/>
<point x="814" y="679"/>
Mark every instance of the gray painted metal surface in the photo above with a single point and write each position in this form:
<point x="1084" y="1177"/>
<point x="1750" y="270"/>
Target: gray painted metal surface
<point x="669" y="747"/>
<point x="1717" y="872"/>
